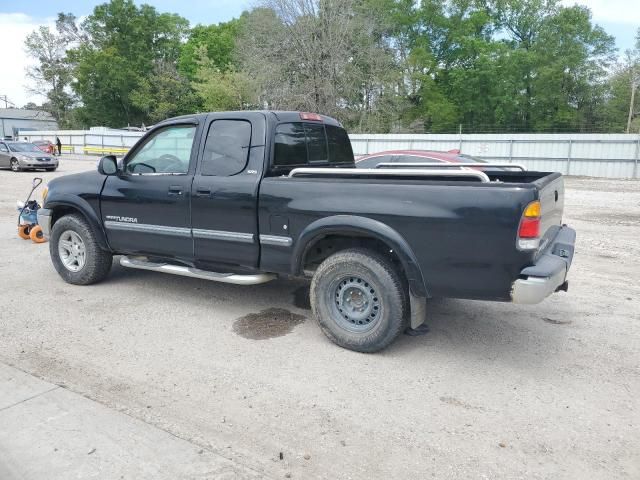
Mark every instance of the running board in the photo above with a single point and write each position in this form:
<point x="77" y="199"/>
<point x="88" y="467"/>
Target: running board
<point x="143" y="264"/>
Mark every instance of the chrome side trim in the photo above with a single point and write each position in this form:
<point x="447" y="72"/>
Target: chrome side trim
<point x="142" y="263"/>
<point x="146" y="228"/>
<point x="389" y="172"/>
<point x="222" y="235"/>
<point x="276" y="240"/>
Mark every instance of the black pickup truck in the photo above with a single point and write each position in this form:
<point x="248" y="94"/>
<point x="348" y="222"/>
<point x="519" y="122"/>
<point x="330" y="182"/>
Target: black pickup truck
<point x="242" y="197"/>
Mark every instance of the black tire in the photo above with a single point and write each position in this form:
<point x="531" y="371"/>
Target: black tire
<point x="375" y="282"/>
<point x="97" y="262"/>
<point x="15" y="166"/>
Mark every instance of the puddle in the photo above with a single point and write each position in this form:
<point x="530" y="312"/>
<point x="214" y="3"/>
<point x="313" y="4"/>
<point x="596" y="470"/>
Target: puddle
<point x="269" y="323"/>
<point x="553" y="321"/>
<point x="301" y="298"/>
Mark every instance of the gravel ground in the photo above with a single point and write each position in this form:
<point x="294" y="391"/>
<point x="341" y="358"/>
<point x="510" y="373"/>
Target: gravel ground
<point x="492" y="391"/>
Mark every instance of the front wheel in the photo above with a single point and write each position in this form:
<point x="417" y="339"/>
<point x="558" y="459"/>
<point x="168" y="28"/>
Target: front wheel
<point x="359" y="300"/>
<point x="15" y="166"/>
<point x="75" y="253"/>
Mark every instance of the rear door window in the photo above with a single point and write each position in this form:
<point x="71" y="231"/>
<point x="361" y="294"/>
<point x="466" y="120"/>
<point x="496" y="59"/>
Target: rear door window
<point x="226" y="150"/>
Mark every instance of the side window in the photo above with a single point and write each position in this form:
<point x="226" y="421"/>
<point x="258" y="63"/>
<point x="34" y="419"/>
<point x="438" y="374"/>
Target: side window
<point x="227" y="148"/>
<point x="3" y="148"/>
<point x="291" y="145"/>
<point x="167" y="151"/>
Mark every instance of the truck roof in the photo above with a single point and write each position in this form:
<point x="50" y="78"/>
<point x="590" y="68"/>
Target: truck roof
<point x="277" y="115"/>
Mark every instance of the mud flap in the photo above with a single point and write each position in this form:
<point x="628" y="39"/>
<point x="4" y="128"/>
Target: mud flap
<point x="418" y="310"/>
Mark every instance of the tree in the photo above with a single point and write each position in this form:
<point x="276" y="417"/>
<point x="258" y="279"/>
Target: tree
<point x="126" y="47"/>
<point x="223" y="89"/>
<point x="51" y="75"/>
<point x="166" y="93"/>
<point x="218" y="42"/>
<point x="318" y="55"/>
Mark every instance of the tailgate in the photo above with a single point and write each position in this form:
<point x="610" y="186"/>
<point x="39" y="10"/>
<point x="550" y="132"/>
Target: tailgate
<point x="551" y="196"/>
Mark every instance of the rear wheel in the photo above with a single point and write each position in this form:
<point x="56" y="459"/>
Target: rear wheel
<point x="75" y="252"/>
<point x="15" y="166"/>
<point x="359" y="300"/>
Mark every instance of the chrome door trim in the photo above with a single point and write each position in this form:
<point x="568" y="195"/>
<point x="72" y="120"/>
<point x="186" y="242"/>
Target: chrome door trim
<point x="277" y="240"/>
<point x="223" y="235"/>
<point x="146" y="228"/>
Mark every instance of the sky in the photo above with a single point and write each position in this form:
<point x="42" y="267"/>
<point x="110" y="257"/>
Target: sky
<point x="620" y="18"/>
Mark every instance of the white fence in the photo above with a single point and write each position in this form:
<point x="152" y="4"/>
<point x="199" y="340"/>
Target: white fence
<point x="596" y="155"/>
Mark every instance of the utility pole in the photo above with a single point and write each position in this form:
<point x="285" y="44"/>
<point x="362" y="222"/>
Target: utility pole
<point x="634" y="86"/>
<point x="5" y="99"/>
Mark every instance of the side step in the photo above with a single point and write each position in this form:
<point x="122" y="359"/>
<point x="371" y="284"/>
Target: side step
<point x="143" y="264"/>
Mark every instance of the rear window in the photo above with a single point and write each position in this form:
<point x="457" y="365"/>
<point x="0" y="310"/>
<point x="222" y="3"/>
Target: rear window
<point x="301" y="143"/>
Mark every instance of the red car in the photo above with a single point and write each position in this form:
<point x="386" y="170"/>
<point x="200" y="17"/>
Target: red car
<point x="46" y="146"/>
<point x="414" y="156"/>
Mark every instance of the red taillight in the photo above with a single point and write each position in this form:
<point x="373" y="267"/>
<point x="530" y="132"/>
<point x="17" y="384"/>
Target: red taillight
<point x="314" y="117"/>
<point x="529" y="228"/>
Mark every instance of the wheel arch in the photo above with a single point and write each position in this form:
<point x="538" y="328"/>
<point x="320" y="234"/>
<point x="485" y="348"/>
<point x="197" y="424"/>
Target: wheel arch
<point x="356" y="227"/>
<point x="62" y="207"/>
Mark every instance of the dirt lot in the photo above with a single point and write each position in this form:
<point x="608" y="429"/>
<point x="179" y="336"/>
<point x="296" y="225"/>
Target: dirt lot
<point x="493" y="391"/>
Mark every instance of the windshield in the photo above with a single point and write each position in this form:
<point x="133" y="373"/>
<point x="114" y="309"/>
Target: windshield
<point x="23" y="147"/>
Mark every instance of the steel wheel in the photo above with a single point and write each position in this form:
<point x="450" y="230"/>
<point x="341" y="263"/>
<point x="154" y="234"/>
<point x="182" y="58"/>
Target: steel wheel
<point x="356" y="304"/>
<point x="72" y="251"/>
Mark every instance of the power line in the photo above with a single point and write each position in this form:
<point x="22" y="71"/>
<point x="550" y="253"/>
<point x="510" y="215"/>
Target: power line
<point x="7" y="102"/>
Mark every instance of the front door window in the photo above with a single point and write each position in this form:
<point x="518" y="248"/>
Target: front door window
<point x="166" y="152"/>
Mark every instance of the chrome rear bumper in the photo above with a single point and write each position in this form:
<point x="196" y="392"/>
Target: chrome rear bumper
<point x="549" y="273"/>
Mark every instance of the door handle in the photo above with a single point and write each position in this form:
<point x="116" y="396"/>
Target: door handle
<point x="203" y="193"/>
<point x="175" y="190"/>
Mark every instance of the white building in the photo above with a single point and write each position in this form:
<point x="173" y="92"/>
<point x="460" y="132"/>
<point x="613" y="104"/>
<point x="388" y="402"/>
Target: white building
<point x="13" y="120"/>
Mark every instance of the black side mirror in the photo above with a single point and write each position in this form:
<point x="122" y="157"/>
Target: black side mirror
<point x="108" y="165"/>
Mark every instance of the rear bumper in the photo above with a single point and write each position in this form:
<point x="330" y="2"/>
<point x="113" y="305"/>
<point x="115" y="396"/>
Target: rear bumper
<point x="44" y="220"/>
<point x="549" y="273"/>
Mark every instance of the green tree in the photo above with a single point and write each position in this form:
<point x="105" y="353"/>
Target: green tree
<point x="51" y="74"/>
<point x="218" y="42"/>
<point x="164" y="94"/>
<point x="125" y="47"/>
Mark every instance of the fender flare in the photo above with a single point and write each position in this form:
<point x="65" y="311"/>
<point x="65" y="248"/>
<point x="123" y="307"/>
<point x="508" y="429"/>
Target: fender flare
<point x="83" y="207"/>
<point x="361" y="226"/>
